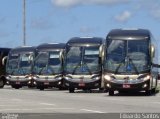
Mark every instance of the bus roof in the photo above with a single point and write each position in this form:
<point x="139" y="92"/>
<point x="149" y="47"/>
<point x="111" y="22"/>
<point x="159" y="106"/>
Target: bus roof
<point x="128" y="34"/>
<point x="51" y="46"/>
<point x="5" y="49"/>
<point x="23" y="49"/>
<point x="79" y="41"/>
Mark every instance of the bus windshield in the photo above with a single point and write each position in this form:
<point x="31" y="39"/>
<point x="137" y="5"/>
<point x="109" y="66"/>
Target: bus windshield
<point x="127" y="56"/>
<point x="48" y="63"/>
<point x="20" y="64"/>
<point x="82" y="60"/>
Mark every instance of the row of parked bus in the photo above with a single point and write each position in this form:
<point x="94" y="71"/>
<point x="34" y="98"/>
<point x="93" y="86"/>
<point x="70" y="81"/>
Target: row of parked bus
<point x="127" y="60"/>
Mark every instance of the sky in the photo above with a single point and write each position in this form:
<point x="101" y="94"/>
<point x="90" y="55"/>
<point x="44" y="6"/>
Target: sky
<point x="54" y="21"/>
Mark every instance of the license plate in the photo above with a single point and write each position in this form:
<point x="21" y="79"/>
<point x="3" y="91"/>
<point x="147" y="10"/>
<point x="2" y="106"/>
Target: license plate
<point x="46" y="83"/>
<point x="81" y="84"/>
<point x="126" y="86"/>
<point x="17" y="82"/>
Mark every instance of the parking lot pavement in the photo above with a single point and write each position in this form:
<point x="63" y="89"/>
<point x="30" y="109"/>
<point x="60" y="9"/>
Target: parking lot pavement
<point x="26" y="100"/>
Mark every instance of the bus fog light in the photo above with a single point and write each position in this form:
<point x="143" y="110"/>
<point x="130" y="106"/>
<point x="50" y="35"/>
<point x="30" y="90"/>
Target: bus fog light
<point x="29" y="82"/>
<point x="108" y="85"/>
<point x="7" y="82"/>
<point x="34" y="83"/>
<point x="59" y="83"/>
<point x="145" y="85"/>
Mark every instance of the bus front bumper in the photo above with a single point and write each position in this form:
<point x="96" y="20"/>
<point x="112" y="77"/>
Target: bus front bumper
<point x="82" y="85"/>
<point x="20" y="83"/>
<point x="142" y="86"/>
<point x="47" y="84"/>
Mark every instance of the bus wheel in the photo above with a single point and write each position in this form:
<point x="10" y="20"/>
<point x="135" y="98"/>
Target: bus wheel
<point x="1" y="83"/>
<point x="71" y="90"/>
<point x="111" y="92"/>
<point x="154" y="90"/>
<point x="41" y="88"/>
<point x="16" y="87"/>
<point x="148" y="92"/>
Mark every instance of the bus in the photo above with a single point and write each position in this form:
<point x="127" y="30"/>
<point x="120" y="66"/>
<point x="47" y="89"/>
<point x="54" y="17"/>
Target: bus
<point x="3" y="54"/>
<point x="19" y="66"/>
<point x="82" y="67"/>
<point x="131" y="61"/>
<point x="48" y="65"/>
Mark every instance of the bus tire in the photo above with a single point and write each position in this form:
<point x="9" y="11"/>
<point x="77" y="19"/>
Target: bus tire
<point x="148" y="92"/>
<point x="41" y="88"/>
<point x="2" y="83"/>
<point x="71" y="90"/>
<point x="154" y="91"/>
<point x="111" y="92"/>
<point x="16" y="87"/>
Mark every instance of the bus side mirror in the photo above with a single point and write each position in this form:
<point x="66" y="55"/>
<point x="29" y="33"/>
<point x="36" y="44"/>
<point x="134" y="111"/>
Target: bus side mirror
<point x="31" y="58"/>
<point x="158" y="76"/>
<point x="61" y="55"/>
<point x="4" y="60"/>
<point x="152" y="51"/>
<point x="101" y="52"/>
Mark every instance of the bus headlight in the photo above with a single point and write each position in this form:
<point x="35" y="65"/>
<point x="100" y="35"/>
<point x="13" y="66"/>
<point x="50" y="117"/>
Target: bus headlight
<point x="146" y="78"/>
<point x="8" y="77"/>
<point x="35" y="77"/>
<point x="58" y="78"/>
<point x="96" y="77"/>
<point x="29" y="77"/>
<point x="67" y="78"/>
<point x="108" y="78"/>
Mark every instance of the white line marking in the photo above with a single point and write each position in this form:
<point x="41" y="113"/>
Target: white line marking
<point x="94" y="111"/>
<point x="48" y="104"/>
<point x="14" y="109"/>
<point x="56" y="108"/>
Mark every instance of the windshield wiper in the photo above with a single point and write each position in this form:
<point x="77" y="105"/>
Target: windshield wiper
<point x="116" y="71"/>
<point x="135" y="68"/>
<point x="88" y="68"/>
<point x="21" y="69"/>
<point x="76" y="67"/>
<point x="41" y="70"/>
<point x="50" y="68"/>
<point x="82" y="67"/>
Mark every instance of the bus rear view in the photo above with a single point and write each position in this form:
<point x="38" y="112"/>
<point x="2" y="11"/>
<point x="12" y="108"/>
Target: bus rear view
<point x="130" y="62"/>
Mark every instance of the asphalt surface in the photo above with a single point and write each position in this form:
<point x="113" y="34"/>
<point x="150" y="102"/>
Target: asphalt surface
<point x="54" y="101"/>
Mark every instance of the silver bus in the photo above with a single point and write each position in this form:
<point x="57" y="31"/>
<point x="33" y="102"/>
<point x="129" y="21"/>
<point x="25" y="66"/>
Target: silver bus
<point x="82" y="67"/>
<point x="48" y="65"/>
<point x="130" y="62"/>
<point x="19" y="66"/>
<point x="3" y="56"/>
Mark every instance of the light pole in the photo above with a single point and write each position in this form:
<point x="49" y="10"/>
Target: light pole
<point x="24" y="22"/>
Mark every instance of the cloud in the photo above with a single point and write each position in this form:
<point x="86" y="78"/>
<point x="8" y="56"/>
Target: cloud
<point x="151" y="7"/>
<point x="123" y="17"/>
<point x="41" y="24"/>
<point x="72" y="3"/>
